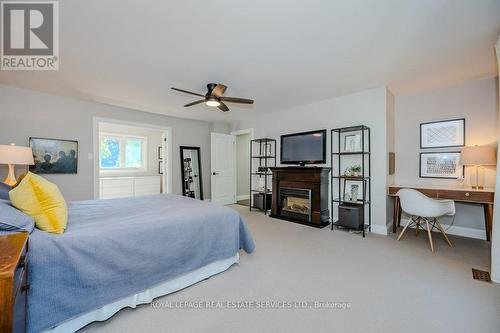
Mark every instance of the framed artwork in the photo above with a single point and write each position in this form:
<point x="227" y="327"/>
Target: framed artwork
<point x="54" y="156"/>
<point x="442" y="134"/>
<point x="352" y="143"/>
<point x="354" y="191"/>
<point x="441" y="165"/>
<point x="392" y="163"/>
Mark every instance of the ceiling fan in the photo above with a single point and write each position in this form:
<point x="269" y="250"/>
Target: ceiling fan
<point x="214" y="97"/>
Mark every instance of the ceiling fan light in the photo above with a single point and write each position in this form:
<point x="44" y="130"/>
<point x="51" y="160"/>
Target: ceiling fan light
<point x="211" y="101"/>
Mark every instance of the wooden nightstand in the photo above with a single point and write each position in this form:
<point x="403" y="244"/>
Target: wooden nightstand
<point x="13" y="282"/>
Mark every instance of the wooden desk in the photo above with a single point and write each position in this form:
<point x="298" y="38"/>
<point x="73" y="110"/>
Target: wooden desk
<point x="459" y="194"/>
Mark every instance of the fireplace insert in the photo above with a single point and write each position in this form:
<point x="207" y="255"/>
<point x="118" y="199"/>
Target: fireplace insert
<point x="295" y="203"/>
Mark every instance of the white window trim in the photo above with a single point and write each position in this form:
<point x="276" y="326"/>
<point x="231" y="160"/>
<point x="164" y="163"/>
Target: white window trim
<point x="123" y="137"/>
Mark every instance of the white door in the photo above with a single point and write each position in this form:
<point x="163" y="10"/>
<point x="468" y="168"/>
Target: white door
<point x="223" y="166"/>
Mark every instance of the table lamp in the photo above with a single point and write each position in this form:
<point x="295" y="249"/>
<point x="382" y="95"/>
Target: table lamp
<point x="12" y="155"/>
<point x="478" y="156"/>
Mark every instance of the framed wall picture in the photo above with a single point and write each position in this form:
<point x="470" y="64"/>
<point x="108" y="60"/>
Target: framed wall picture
<point x="443" y="134"/>
<point x="441" y="165"/>
<point x="54" y="156"/>
<point x="354" y="191"/>
<point x="392" y="163"/>
<point x="352" y="143"/>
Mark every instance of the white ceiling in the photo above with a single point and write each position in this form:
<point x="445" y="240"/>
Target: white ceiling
<point x="280" y="53"/>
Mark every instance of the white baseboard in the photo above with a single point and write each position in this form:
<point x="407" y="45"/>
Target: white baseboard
<point x="460" y="231"/>
<point x="379" y="229"/>
<point x="243" y="197"/>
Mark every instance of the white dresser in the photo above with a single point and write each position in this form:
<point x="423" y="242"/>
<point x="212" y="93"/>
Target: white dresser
<point x="122" y="187"/>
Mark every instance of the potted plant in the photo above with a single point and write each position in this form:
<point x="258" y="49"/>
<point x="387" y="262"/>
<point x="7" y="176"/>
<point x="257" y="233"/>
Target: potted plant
<point x="356" y="170"/>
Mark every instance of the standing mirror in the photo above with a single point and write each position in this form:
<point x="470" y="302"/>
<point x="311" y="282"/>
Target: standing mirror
<point x="191" y="172"/>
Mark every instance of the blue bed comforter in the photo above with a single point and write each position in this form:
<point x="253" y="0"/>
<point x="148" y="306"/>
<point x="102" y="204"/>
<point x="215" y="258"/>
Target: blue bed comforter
<point x="114" y="248"/>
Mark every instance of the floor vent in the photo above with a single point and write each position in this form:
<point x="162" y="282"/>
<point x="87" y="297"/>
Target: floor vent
<point x="481" y="275"/>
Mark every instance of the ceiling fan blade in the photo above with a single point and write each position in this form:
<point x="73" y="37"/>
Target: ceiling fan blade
<point x="237" y="100"/>
<point x="223" y="107"/>
<point x="187" y="92"/>
<point x="194" y="103"/>
<point x="219" y="90"/>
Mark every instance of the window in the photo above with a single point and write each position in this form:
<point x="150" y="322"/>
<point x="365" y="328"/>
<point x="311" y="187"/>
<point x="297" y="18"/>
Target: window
<point x="122" y="152"/>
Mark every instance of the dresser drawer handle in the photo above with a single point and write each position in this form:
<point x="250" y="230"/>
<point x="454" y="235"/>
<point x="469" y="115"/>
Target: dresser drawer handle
<point x="467" y="194"/>
<point x="25" y="288"/>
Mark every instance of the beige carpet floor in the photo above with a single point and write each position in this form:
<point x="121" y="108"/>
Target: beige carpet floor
<point x="390" y="286"/>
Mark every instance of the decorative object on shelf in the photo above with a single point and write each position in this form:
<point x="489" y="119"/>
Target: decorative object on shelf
<point x="356" y="170"/>
<point x="478" y="156"/>
<point x="262" y="156"/>
<point x="353" y="188"/>
<point x="354" y="192"/>
<point x="192" y="185"/>
<point x="352" y="143"/>
<point x="262" y="169"/>
<point x="353" y="171"/>
<point x="351" y="191"/>
<point x="54" y="156"/>
<point x="444" y="165"/>
<point x="443" y="134"/>
<point x="12" y="155"/>
<point x="392" y="163"/>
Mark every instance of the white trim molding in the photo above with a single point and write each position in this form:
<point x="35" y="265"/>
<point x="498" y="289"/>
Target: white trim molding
<point x="243" y="131"/>
<point x="167" y="132"/>
<point x="243" y="197"/>
<point x="379" y="229"/>
<point x="459" y="231"/>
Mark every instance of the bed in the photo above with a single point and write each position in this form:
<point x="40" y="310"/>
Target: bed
<point x="123" y="252"/>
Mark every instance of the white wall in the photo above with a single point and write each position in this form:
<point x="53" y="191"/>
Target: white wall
<point x="476" y="101"/>
<point x="391" y="147"/>
<point x="25" y="113"/>
<point x="243" y="165"/>
<point x="368" y="108"/>
<point x="153" y="138"/>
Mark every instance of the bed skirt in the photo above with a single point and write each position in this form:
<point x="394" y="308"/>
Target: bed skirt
<point x="146" y="296"/>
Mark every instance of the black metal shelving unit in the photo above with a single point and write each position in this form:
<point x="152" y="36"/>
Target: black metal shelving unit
<point x="263" y="156"/>
<point x="339" y="180"/>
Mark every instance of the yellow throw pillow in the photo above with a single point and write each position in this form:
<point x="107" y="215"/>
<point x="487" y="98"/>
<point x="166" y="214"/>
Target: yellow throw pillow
<point x="41" y="199"/>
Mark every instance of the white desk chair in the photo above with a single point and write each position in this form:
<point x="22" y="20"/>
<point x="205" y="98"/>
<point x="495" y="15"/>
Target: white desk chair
<point x="423" y="209"/>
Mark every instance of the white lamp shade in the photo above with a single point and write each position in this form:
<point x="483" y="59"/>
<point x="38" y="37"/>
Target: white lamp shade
<point x="19" y="155"/>
<point x="476" y="155"/>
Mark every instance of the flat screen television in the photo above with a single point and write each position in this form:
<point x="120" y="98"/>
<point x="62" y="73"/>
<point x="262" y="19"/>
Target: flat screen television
<point x="304" y="148"/>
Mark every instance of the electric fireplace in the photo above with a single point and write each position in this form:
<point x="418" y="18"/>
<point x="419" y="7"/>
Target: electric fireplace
<point x="300" y="195"/>
<point x="295" y="203"/>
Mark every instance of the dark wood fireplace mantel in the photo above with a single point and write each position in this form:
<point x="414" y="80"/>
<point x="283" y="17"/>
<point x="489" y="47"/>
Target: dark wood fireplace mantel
<point x="314" y="179"/>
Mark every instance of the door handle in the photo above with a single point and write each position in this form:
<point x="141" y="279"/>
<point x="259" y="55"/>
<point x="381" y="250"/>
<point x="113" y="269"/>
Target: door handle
<point x="215" y="173"/>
